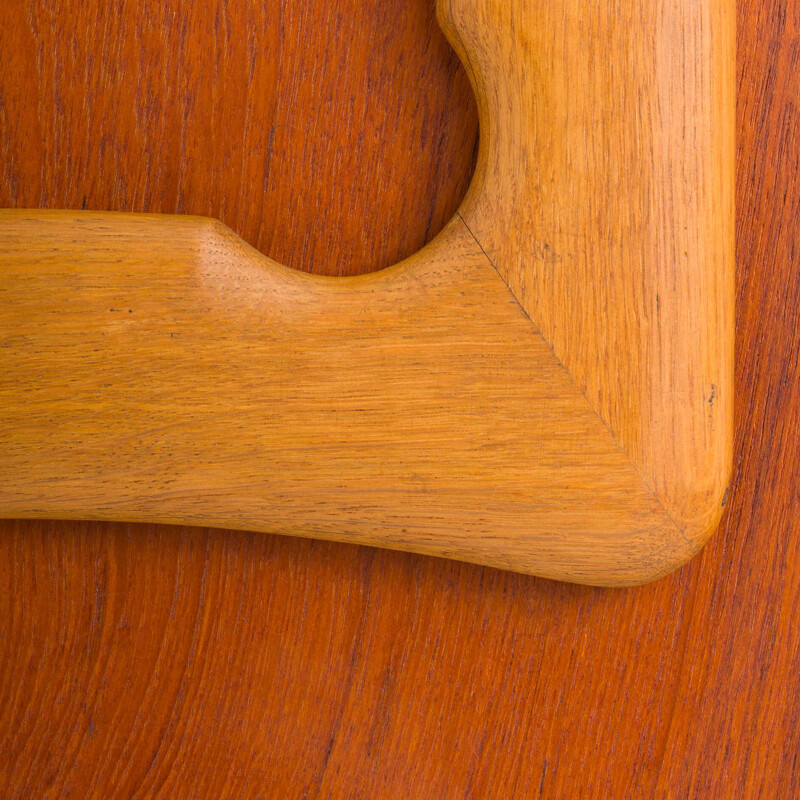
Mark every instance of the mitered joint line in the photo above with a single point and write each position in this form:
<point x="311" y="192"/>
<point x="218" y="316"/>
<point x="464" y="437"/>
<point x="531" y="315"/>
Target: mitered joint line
<point x="599" y="416"/>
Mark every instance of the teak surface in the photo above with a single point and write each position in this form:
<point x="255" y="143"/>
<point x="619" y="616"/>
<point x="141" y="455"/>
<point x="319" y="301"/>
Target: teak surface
<point x="546" y="388"/>
<point x="145" y="660"/>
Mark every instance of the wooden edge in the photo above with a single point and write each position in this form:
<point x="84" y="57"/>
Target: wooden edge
<point x="546" y="388"/>
<point x="415" y="408"/>
<point x="604" y="197"/>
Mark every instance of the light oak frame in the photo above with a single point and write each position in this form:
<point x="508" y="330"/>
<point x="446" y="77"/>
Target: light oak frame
<point x="546" y="387"/>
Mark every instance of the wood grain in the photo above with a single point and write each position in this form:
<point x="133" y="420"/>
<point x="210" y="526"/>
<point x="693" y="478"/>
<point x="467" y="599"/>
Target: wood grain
<point x="142" y="660"/>
<point x="416" y="408"/>
<point x="589" y="442"/>
<point x="221" y="109"/>
<point x="604" y="197"/>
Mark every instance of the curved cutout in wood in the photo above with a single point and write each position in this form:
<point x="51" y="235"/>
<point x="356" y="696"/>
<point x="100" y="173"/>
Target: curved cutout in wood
<point x="546" y="387"/>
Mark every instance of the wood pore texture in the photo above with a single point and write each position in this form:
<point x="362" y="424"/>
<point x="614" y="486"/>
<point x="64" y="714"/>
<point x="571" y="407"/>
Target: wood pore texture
<point x="416" y="408"/>
<point x="604" y="197"/>
<point x="139" y="660"/>
<point x="546" y="388"/>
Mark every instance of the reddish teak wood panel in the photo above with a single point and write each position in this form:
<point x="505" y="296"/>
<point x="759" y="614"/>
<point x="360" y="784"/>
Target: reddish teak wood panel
<point x="141" y="660"/>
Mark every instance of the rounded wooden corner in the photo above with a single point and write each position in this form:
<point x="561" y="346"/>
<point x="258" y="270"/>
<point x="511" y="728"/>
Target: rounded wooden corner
<point x="625" y="270"/>
<point x="221" y="389"/>
<point x="546" y="387"/>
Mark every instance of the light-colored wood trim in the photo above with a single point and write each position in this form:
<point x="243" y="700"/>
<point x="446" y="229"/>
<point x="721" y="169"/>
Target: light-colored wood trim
<point x="604" y="196"/>
<point x="545" y="388"/>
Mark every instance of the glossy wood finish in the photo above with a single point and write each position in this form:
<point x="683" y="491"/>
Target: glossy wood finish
<point x="173" y="660"/>
<point x="547" y="388"/>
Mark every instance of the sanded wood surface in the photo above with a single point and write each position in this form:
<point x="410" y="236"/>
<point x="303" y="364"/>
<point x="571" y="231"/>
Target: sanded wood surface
<point x="566" y="415"/>
<point x="416" y="408"/>
<point x="336" y="157"/>
<point x="145" y="660"/>
<point x="604" y="197"/>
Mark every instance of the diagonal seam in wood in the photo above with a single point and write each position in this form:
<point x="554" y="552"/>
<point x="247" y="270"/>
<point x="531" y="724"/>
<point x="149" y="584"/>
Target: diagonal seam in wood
<point x="577" y="386"/>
